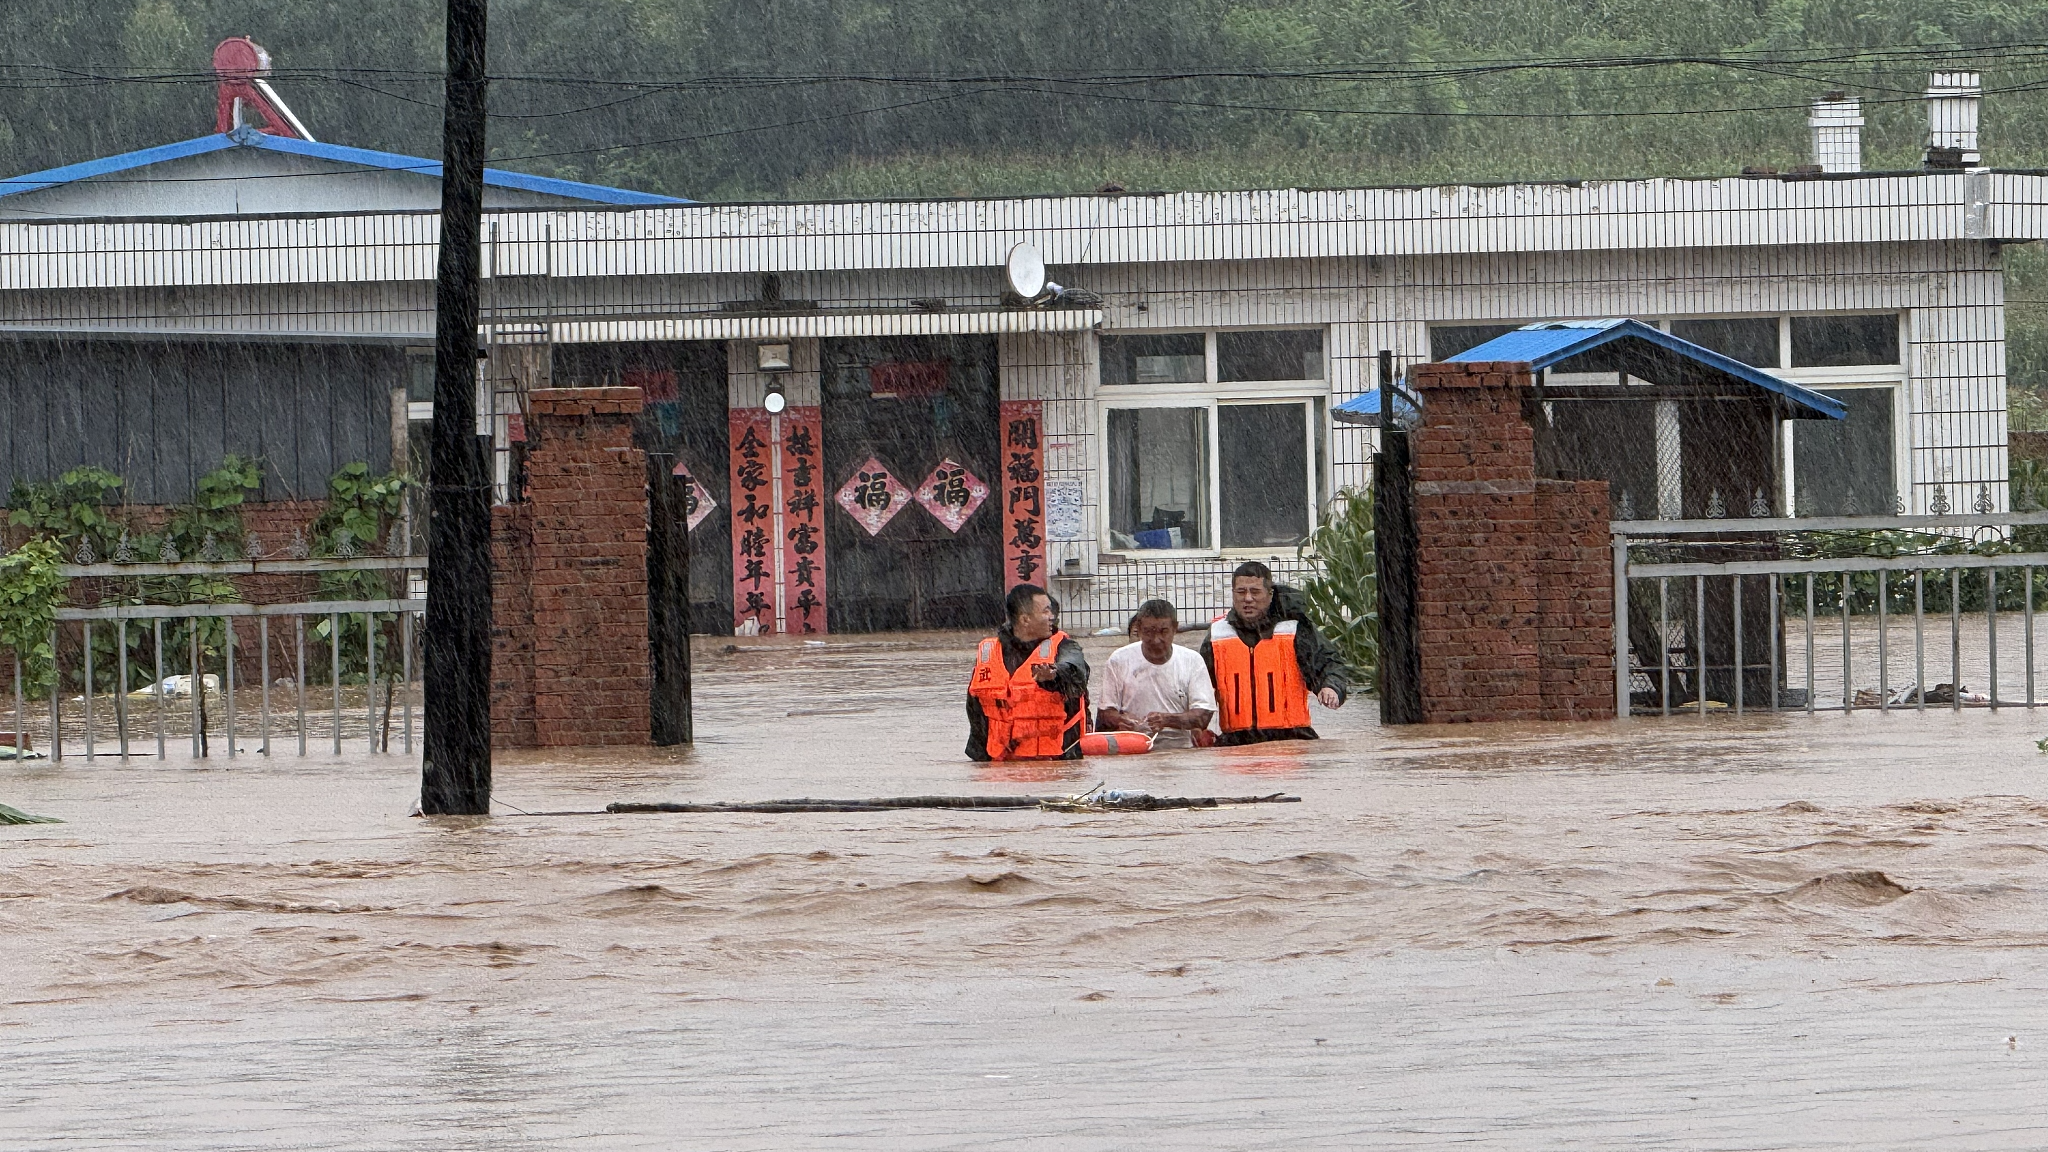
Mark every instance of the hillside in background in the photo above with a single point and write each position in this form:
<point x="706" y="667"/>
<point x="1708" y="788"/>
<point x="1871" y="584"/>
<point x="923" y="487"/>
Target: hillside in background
<point x="778" y="99"/>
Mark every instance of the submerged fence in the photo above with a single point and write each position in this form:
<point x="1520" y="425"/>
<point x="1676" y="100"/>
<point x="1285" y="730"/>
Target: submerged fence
<point x="185" y="693"/>
<point x="1818" y="613"/>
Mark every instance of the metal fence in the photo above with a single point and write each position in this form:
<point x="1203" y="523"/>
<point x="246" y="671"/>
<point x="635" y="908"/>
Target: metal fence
<point x="127" y="721"/>
<point x="1198" y="589"/>
<point x="1723" y="620"/>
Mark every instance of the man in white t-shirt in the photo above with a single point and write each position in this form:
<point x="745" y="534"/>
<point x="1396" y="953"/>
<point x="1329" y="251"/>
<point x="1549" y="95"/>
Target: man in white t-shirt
<point x="1156" y="685"/>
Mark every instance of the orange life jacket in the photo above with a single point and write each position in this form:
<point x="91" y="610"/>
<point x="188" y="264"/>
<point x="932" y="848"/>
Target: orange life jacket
<point x="1026" y="721"/>
<point x="1257" y="687"/>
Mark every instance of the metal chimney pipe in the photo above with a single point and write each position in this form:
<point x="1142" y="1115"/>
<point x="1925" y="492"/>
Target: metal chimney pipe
<point x="1952" y="103"/>
<point x="1837" y="127"/>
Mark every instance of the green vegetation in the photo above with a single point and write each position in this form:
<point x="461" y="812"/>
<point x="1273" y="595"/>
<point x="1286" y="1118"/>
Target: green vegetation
<point x="1342" y="592"/>
<point x="735" y="99"/>
<point x="361" y="510"/>
<point x="75" y="510"/>
<point x="32" y="585"/>
<point x="80" y="507"/>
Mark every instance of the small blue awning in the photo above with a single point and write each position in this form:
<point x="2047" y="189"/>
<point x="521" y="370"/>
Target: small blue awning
<point x="1364" y="409"/>
<point x="1545" y="345"/>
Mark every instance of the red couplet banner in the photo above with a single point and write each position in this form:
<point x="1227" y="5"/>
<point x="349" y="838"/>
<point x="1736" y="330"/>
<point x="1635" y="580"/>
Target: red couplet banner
<point x="802" y="575"/>
<point x="1023" y="432"/>
<point x="752" y="458"/>
<point x="778" y="521"/>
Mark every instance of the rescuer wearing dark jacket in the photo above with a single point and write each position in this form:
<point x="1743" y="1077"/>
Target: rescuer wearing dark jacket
<point x="1266" y="658"/>
<point x="1027" y="699"/>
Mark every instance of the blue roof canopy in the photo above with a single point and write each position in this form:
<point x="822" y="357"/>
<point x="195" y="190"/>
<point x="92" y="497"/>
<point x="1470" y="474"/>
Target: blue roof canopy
<point x="1365" y="405"/>
<point x="1542" y="346"/>
<point x="1655" y="355"/>
<point x="366" y="157"/>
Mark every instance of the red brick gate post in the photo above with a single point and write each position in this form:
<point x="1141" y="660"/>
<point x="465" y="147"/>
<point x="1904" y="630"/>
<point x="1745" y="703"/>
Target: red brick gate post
<point x="1515" y="599"/>
<point x="571" y="663"/>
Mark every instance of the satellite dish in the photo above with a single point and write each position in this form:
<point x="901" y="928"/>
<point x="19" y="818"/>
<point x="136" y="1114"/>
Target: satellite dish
<point x="1026" y="271"/>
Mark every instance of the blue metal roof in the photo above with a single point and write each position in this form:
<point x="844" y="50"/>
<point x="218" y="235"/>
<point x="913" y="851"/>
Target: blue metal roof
<point x="1364" y="405"/>
<point x="366" y="157"/>
<point x="1543" y="345"/>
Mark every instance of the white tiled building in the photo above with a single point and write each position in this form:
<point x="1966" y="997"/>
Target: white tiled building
<point x="1186" y="383"/>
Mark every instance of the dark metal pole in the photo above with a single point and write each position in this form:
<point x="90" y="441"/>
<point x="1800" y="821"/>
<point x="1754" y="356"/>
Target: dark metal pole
<point x="457" y="776"/>
<point x="668" y="599"/>
<point x="1394" y="558"/>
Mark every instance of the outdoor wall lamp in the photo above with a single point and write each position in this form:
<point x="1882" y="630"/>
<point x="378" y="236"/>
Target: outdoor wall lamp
<point x="773" y="358"/>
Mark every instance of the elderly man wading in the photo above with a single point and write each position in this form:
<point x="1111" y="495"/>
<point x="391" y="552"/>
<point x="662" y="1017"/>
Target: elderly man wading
<point x="1028" y="697"/>
<point x="1265" y="658"/>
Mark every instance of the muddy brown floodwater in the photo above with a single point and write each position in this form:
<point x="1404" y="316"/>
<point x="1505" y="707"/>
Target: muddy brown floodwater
<point x="1771" y="932"/>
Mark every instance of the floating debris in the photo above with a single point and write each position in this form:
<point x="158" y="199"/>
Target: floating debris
<point x="1096" y="799"/>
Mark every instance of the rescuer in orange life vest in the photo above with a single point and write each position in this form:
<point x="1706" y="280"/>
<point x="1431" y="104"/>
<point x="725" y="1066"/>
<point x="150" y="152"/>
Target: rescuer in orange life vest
<point x="1028" y="697"/>
<point x="1265" y="658"/>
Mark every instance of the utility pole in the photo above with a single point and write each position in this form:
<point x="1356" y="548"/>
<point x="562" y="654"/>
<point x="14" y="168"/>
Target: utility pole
<point x="457" y="777"/>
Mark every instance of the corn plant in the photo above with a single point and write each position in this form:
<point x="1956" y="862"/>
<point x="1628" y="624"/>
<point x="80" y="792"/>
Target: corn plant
<point x="1342" y="588"/>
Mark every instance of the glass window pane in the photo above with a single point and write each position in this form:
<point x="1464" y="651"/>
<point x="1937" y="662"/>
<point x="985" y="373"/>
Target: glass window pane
<point x="1262" y="453"/>
<point x="1844" y="467"/>
<point x="1158" y="478"/>
<point x="1447" y="341"/>
<point x="1171" y="359"/>
<point x="1750" y="339"/>
<point x="1833" y="341"/>
<point x="1269" y="355"/>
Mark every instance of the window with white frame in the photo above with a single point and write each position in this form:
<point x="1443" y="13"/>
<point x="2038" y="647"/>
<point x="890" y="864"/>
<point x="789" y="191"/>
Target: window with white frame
<point x="1213" y="440"/>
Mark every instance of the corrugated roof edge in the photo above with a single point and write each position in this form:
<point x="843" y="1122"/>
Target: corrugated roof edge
<point x="367" y="157"/>
<point x="1515" y="347"/>
<point x="1558" y="182"/>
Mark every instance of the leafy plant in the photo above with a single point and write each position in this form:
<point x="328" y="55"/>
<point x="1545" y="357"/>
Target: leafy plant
<point x="361" y="510"/>
<point x="360" y="507"/>
<point x="71" y="509"/>
<point x="216" y="509"/>
<point x="32" y="584"/>
<point x="1342" y="589"/>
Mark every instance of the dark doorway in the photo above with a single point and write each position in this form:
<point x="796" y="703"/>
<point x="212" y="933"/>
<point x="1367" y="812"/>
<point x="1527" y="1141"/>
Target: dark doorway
<point x="683" y="421"/>
<point x="910" y="403"/>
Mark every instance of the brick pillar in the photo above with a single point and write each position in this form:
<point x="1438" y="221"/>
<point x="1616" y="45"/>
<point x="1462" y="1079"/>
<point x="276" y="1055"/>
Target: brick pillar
<point x="1575" y="599"/>
<point x="587" y="492"/>
<point x="512" y="627"/>
<point x="1514" y="598"/>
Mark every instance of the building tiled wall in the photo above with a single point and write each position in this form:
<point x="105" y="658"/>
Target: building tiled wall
<point x="1952" y="413"/>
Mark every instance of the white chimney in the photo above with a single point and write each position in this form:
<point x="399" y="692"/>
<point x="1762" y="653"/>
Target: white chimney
<point x="1952" y="100"/>
<point x="1837" y="125"/>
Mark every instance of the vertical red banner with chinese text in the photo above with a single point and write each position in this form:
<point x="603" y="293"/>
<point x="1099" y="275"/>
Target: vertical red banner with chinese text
<point x="802" y="574"/>
<point x="753" y="520"/>
<point x="1023" y="432"/>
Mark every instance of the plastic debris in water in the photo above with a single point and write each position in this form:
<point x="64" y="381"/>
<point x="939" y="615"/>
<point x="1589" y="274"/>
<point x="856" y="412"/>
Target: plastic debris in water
<point x="178" y="686"/>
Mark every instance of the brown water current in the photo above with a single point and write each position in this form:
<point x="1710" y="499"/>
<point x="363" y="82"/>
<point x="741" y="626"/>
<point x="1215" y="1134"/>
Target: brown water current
<point x="1764" y="932"/>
